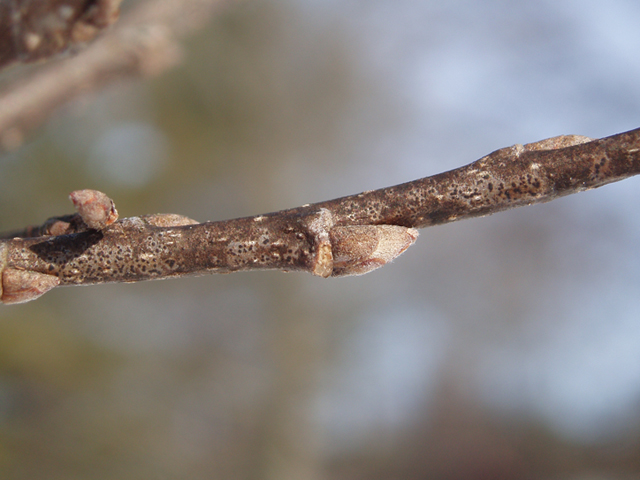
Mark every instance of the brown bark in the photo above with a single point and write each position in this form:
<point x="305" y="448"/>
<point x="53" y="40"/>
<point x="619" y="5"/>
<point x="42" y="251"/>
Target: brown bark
<point x="346" y="236"/>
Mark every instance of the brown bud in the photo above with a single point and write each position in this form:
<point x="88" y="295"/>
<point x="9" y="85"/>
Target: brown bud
<point x="19" y="286"/>
<point x="168" y="220"/>
<point x="553" y="143"/>
<point x="359" y="249"/>
<point x="95" y="208"/>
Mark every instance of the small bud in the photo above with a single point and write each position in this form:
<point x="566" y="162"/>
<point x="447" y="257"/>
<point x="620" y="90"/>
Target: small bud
<point x="95" y="208"/>
<point x="168" y="220"/>
<point x="57" y="227"/>
<point x="19" y="286"/>
<point x="553" y="143"/>
<point x="359" y="249"/>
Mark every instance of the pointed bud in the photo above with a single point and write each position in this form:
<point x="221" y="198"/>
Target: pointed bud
<point x="359" y="249"/>
<point x="168" y="220"/>
<point x="19" y="286"/>
<point x="95" y="208"/>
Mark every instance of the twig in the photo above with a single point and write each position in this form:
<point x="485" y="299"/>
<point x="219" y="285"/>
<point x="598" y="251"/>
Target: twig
<point x="346" y="236"/>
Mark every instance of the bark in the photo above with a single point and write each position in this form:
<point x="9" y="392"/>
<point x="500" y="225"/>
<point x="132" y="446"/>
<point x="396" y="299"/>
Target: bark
<point x="346" y="236"/>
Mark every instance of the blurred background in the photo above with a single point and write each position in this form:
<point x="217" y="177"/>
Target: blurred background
<point x="506" y="347"/>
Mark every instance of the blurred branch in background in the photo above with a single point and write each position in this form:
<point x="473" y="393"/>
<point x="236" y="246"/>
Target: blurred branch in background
<point x="30" y="31"/>
<point x="144" y="42"/>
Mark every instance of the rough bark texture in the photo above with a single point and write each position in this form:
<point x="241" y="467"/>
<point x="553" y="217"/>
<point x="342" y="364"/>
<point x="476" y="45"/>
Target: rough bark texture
<point x="507" y="178"/>
<point x="345" y="236"/>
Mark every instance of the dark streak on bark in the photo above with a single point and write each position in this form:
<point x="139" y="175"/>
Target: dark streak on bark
<point x="133" y="250"/>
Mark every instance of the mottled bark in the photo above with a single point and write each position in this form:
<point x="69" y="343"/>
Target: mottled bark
<point x="346" y="236"/>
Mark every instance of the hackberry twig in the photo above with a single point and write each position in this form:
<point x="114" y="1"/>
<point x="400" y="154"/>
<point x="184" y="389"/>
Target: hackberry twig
<point x="346" y="236"/>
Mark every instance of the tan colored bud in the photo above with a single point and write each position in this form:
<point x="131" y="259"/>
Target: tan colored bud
<point x="168" y="220"/>
<point x="19" y="286"/>
<point x="95" y="208"/>
<point x="359" y="249"/>
<point x="553" y="143"/>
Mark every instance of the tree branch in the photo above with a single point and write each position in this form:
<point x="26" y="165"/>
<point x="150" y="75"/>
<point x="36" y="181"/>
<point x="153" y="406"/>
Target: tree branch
<point x="30" y="31"/>
<point x="346" y="236"/>
<point x="144" y="43"/>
